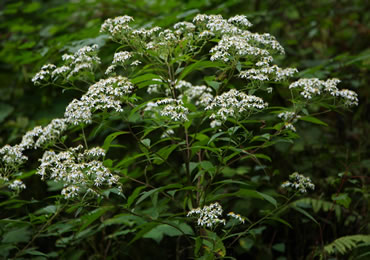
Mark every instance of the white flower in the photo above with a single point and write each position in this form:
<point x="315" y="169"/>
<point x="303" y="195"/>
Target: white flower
<point x="268" y="73"/>
<point x="167" y="133"/>
<point x="200" y="94"/>
<point x="44" y="74"/>
<point x="85" y="59"/>
<point x="105" y="94"/>
<point x="51" y="132"/>
<point x="208" y="215"/>
<point x="12" y="155"/>
<point x="110" y="69"/>
<point x="70" y="191"/>
<point x="299" y="182"/>
<point x="79" y="170"/>
<point x="168" y="107"/>
<point x="232" y="104"/>
<point x="215" y="123"/>
<point x="184" y="27"/>
<point x="206" y="34"/>
<point x="349" y="96"/>
<point x="240" y="20"/>
<point x="311" y="87"/>
<point x="17" y="185"/>
<point x="235" y="46"/>
<point x="117" y="26"/>
<point x="289" y="116"/>
<point x="236" y="216"/>
<point x="135" y="63"/>
<point x="60" y="71"/>
<point x="121" y="57"/>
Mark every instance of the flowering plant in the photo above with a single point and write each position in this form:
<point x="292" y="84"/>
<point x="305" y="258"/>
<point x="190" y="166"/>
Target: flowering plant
<point x="175" y="118"/>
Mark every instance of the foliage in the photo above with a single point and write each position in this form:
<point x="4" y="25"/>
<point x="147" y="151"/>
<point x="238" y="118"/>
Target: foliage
<point x="345" y="244"/>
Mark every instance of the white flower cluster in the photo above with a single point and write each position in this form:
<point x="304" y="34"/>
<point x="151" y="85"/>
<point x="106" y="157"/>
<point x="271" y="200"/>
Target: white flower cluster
<point x="184" y="27"/>
<point x="241" y="21"/>
<point x="167" y="133"/>
<point x="268" y="73"/>
<point x="266" y="40"/>
<point x="44" y="74"/>
<point x="117" y="26"/>
<point x="200" y="94"/>
<point x="168" y="107"/>
<point x="311" y="87"/>
<point x="217" y="25"/>
<point x="17" y="185"/>
<point x="289" y="119"/>
<point x="49" y="133"/>
<point x="12" y="155"/>
<point x="154" y="88"/>
<point x="299" y="182"/>
<point x="105" y="94"/>
<point x="236" y="41"/>
<point x="208" y="215"/>
<point x="119" y="59"/>
<point x="235" y="45"/>
<point x="146" y="33"/>
<point x="79" y="170"/>
<point x="236" y="216"/>
<point x="85" y="59"/>
<point x="232" y="104"/>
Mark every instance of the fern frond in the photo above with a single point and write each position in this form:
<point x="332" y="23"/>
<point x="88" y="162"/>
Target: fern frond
<point x="345" y="244"/>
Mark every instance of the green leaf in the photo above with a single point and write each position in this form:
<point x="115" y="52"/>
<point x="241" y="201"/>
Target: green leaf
<point x="159" y="231"/>
<point x="268" y="198"/>
<point x="146" y="142"/>
<point x="198" y="244"/>
<point x="262" y="156"/>
<point x="145" y="77"/>
<point x="51" y="209"/>
<point x="281" y="220"/>
<point x="342" y="199"/>
<point x="302" y="211"/>
<point x="163" y="153"/>
<point x="257" y="195"/>
<point x="108" y="140"/>
<point x="145" y="228"/>
<point x="18" y="235"/>
<point x="280" y="247"/>
<point x="313" y="120"/>
<point x="202" y="64"/>
<point x="146" y="194"/>
<point x="33" y="251"/>
<point x="134" y="195"/>
<point x="92" y="216"/>
<point x="5" y="110"/>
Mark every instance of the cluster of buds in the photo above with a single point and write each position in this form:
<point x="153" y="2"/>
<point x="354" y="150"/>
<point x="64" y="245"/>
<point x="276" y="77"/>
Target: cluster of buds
<point x="299" y="182"/>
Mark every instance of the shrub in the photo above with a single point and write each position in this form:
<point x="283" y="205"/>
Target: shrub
<point x="175" y="130"/>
